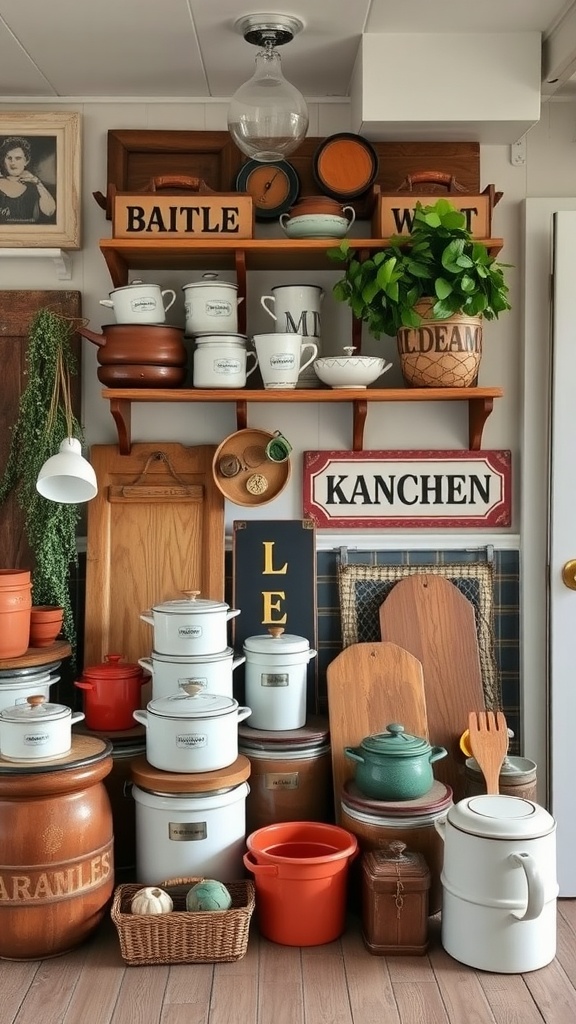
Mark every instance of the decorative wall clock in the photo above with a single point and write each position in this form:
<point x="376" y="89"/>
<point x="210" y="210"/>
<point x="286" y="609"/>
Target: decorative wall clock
<point x="274" y="187"/>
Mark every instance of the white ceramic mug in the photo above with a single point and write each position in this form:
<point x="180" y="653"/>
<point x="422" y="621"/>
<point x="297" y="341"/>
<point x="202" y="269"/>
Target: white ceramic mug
<point x="280" y="358"/>
<point x="222" y="363"/>
<point x="140" y="303"/>
<point x="296" y="308"/>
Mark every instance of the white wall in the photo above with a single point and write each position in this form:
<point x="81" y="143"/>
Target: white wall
<point x="549" y="169"/>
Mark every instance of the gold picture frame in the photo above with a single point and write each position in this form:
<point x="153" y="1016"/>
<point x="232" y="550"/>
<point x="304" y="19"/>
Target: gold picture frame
<point x="42" y="152"/>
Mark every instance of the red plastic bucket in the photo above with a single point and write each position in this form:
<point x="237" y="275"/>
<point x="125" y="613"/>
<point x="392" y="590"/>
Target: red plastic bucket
<point x="300" y="872"/>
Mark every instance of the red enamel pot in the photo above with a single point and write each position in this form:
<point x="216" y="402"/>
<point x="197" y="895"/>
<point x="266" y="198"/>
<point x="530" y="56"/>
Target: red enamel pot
<point x="112" y="692"/>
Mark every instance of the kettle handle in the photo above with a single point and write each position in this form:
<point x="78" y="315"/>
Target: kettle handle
<point x="535" y="903"/>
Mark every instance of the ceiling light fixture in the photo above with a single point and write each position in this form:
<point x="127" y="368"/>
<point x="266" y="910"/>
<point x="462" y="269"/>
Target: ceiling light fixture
<point x="267" y="116"/>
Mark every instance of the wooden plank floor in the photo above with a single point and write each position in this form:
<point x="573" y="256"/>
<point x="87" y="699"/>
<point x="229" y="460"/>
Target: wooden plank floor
<point x="339" y="983"/>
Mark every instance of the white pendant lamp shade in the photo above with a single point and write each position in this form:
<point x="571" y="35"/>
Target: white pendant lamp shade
<point x="267" y="116"/>
<point x="67" y="477"/>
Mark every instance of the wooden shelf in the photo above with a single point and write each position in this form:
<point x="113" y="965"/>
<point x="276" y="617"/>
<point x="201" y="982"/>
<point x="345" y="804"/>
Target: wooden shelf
<point x="480" y="403"/>
<point x="124" y="254"/>
<point x="38" y="656"/>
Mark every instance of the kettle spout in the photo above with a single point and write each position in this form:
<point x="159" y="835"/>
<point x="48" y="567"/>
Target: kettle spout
<point x="97" y="339"/>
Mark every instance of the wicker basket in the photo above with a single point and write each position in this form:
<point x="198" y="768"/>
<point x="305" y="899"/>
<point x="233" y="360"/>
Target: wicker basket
<point x="183" y="936"/>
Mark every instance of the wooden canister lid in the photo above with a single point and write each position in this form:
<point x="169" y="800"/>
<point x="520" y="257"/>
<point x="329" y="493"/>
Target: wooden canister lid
<point x="437" y="799"/>
<point x="153" y="780"/>
<point x="315" y="732"/>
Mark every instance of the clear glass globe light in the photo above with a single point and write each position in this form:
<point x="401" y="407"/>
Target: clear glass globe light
<point x="267" y="117"/>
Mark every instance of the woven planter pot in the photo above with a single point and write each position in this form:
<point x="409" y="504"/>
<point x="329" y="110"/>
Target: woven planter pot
<point x="440" y="353"/>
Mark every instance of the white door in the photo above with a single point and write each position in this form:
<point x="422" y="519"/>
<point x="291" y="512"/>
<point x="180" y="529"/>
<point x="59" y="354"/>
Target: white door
<point x="548" y="515"/>
<point x="562" y="549"/>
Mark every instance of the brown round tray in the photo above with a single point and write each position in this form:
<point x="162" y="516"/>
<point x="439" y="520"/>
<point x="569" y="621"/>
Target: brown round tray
<point x="345" y="165"/>
<point x="248" y="446"/>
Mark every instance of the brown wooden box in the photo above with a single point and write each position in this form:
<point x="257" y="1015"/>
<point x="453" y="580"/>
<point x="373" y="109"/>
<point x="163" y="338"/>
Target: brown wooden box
<point x="395" y="901"/>
<point x="168" y="215"/>
<point x="393" y="212"/>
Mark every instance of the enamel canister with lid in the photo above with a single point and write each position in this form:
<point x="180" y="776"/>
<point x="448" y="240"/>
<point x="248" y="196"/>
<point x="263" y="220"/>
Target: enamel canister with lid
<point x="275" y="679"/>
<point x="211" y="305"/>
<point x="393" y="765"/>
<point x="222" y="361"/>
<point x="210" y="672"/>
<point x="111" y="691"/>
<point x="36" y="730"/>
<point x="190" y="825"/>
<point x="192" y="732"/>
<point x="140" y="303"/>
<point x="499" y="884"/>
<point x="191" y="625"/>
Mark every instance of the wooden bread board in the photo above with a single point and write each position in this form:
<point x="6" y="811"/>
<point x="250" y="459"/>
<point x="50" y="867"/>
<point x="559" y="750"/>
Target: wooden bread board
<point x="369" y="686"/>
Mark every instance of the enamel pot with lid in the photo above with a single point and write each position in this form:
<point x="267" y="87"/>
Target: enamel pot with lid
<point x="394" y="765"/>
<point x="210" y="672"/>
<point x="140" y="303"/>
<point x="499" y="884"/>
<point x="112" y="691"/>
<point x="192" y="731"/>
<point x="191" y="625"/>
<point x="36" y="730"/>
<point x="275" y="679"/>
<point x="17" y="690"/>
<point x="211" y="305"/>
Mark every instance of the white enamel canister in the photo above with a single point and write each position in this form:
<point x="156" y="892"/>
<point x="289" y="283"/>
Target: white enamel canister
<point x="275" y="680"/>
<point x="17" y="691"/>
<point x="211" y="306"/>
<point x="196" y="732"/>
<point x="36" y="730"/>
<point x="499" y="884"/>
<point x="210" y="672"/>
<point x="191" y="625"/>
<point x="140" y="303"/>
<point x="222" y="361"/>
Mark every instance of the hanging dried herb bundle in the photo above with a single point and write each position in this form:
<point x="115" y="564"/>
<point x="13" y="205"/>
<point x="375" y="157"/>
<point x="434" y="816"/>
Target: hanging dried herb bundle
<point x="45" y="418"/>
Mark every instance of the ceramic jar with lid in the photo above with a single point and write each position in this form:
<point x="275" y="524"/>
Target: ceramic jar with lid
<point x="499" y="884"/>
<point x="275" y="679"/>
<point x="394" y="765"/>
<point x="211" y="305"/>
<point x="112" y="691"/>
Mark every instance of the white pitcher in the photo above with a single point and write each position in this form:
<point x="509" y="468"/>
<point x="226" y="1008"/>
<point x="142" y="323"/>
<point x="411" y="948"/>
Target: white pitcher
<point x="296" y="310"/>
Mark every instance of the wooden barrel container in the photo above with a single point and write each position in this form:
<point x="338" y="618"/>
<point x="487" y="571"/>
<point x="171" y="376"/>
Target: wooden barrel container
<point x="291" y="774"/>
<point x="56" y="858"/>
<point x="517" y="778"/>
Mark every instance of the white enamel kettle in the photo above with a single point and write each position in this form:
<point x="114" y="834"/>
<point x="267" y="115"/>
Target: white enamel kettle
<point x="499" y="884"/>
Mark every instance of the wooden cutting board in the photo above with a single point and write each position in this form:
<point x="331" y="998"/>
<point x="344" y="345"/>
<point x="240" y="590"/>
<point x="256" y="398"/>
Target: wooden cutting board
<point x="369" y="686"/>
<point x="428" y="616"/>
<point x="155" y="529"/>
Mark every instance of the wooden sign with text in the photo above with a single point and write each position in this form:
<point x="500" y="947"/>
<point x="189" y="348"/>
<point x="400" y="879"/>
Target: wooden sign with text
<point x="407" y="488"/>
<point x="161" y="215"/>
<point x="274" y="584"/>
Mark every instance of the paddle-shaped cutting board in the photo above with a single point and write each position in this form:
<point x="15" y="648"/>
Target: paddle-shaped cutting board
<point x="369" y="686"/>
<point x="428" y="616"/>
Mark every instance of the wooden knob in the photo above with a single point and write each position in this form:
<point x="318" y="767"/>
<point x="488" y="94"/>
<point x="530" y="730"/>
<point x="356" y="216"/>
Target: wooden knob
<point x="36" y="700"/>
<point x="191" y="594"/>
<point x="276" y="631"/>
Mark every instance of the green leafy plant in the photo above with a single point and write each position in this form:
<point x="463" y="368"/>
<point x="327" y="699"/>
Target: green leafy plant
<point x="44" y="419"/>
<point x="438" y="260"/>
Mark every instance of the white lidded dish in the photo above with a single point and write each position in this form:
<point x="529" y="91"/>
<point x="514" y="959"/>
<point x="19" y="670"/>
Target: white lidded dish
<point x="36" y="730"/>
<point x="16" y="691"/>
<point x="191" y="625"/>
<point x="210" y="672"/>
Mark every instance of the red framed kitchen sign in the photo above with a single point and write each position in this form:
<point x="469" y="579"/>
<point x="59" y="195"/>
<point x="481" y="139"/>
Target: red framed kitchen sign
<point x="407" y="488"/>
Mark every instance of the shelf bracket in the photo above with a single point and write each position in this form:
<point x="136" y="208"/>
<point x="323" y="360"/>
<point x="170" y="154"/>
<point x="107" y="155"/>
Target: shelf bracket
<point x="479" y="410"/>
<point x="360" y="410"/>
<point x="241" y="415"/>
<point x="121" y="409"/>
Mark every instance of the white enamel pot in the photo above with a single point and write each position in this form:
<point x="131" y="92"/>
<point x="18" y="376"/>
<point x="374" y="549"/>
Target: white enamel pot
<point x="212" y="673"/>
<point x="140" y="303"/>
<point x="17" y="691"/>
<point x="211" y="306"/>
<point x="36" y="730"/>
<point x="192" y="732"/>
<point x="499" y="884"/>
<point x="275" y="679"/>
<point x="191" y="626"/>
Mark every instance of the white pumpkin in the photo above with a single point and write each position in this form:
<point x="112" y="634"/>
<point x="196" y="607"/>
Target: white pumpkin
<point x="151" y="900"/>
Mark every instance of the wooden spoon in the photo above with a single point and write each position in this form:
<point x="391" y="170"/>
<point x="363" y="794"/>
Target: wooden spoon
<point x="488" y="737"/>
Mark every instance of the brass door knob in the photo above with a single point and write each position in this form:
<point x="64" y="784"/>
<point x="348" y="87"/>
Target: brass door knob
<point x="569" y="574"/>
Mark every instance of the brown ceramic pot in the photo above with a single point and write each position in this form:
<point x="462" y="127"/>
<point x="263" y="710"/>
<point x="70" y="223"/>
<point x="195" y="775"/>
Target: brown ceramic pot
<point x="140" y="375"/>
<point x="153" y="344"/>
<point x="45" y="624"/>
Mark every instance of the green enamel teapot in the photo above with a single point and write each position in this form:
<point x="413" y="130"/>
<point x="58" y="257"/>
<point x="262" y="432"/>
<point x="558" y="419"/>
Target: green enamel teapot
<point x="394" y="765"/>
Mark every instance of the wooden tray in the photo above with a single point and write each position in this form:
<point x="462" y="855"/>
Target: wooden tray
<point x="248" y="446"/>
<point x="155" y="529"/>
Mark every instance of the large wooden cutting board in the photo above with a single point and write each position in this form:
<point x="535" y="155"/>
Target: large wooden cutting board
<point x="369" y="686"/>
<point x="429" y="617"/>
<point x="155" y="529"/>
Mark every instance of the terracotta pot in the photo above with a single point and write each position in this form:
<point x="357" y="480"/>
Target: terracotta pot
<point x="141" y="375"/>
<point x="45" y="624"/>
<point x="153" y="344"/>
<point x="15" y="604"/>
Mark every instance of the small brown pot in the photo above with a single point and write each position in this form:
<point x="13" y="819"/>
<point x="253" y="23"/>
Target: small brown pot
<point x="45" y="624"/>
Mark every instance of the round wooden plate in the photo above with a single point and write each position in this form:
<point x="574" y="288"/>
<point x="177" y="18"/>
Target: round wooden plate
<point x="258" y="480"/>
<point x="345" y="165"/>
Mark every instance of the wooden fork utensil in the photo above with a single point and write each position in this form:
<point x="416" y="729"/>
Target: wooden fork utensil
<point x="489" y="744"/>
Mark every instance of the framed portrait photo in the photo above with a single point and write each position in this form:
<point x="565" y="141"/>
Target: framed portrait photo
<point x="39" y="180"/>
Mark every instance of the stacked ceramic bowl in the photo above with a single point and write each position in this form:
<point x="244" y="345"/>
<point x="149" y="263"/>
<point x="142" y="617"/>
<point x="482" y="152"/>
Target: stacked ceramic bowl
<point x="191" y="786"/>
<point x="220" y="355"/>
